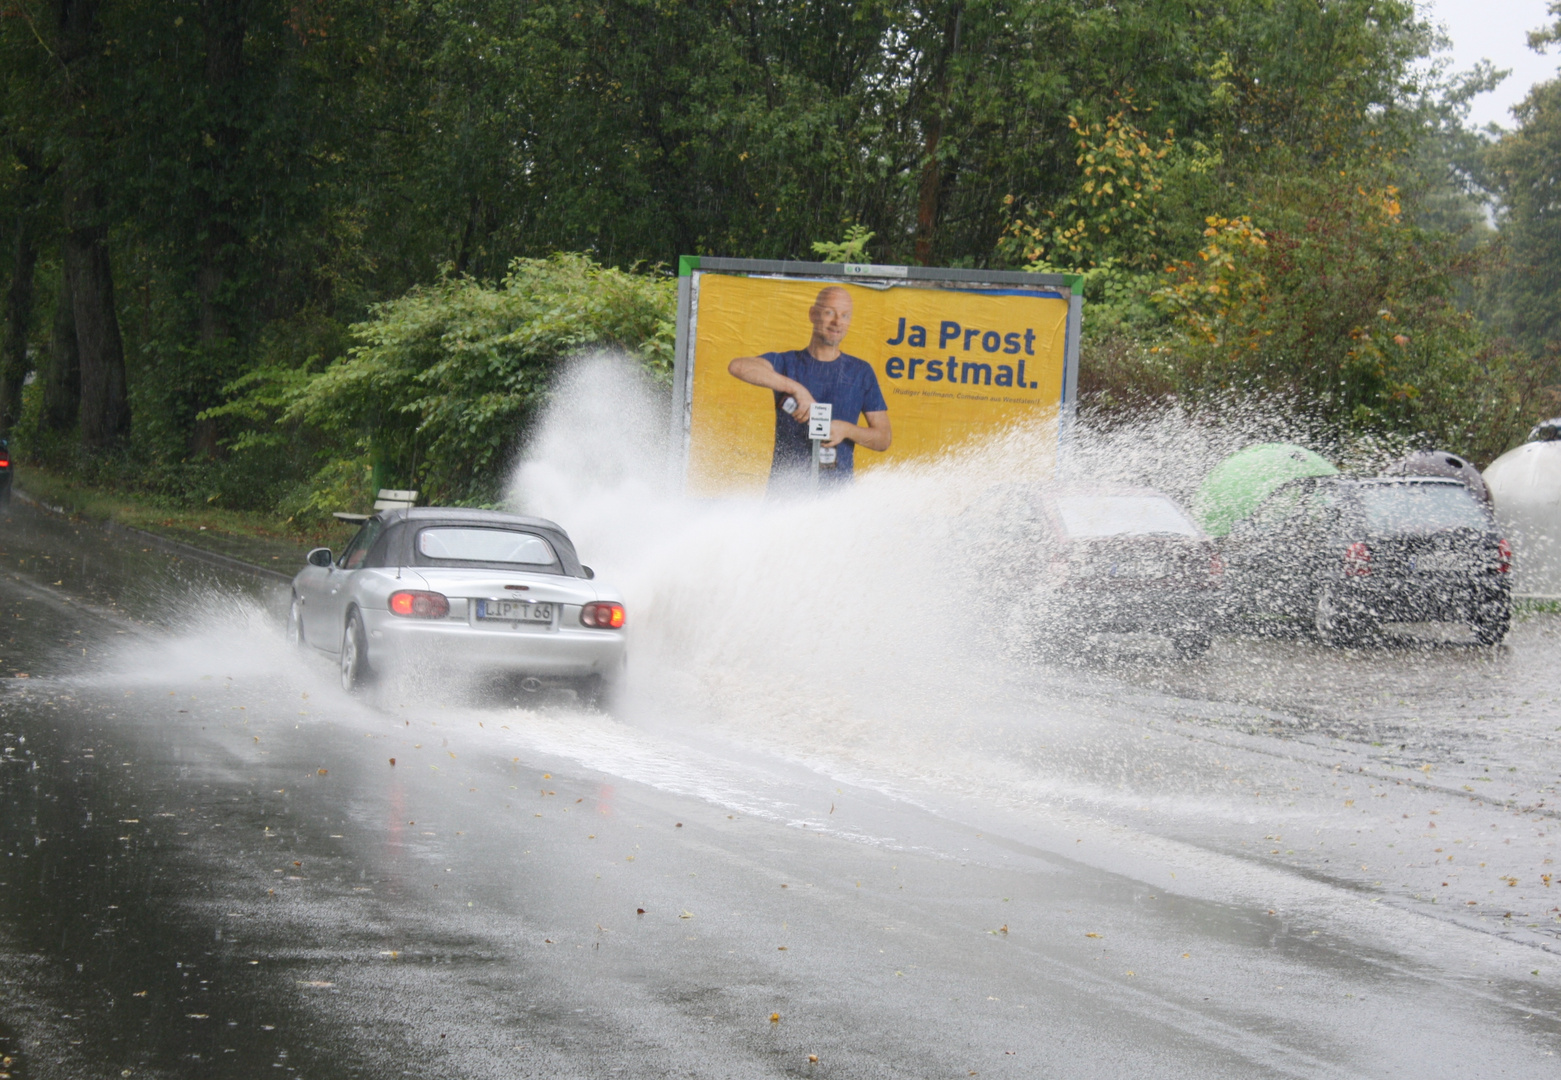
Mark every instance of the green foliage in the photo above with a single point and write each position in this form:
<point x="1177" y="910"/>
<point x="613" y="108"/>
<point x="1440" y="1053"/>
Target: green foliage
<point x="440" y="384"/>
<point x="853" y="249"/>
<point x="1342" y="305"/>
<point x="274" y="173"/>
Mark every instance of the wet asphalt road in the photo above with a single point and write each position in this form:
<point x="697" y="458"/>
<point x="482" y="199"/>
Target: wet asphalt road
<point x="209" y="866"/>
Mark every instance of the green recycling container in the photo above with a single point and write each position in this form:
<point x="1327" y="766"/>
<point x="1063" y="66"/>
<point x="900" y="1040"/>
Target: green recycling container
<point x="1240" y="483"/>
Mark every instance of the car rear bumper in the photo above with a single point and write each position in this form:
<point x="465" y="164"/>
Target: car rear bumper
<point x="1163" y="611"/>
<point x="1408" y="600"/>
<point x="456" y="645"/>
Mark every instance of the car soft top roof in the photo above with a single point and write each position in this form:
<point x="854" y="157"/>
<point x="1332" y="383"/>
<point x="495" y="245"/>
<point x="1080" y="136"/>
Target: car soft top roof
<point x="411" y="518"/>
<point x="466" y="514"/>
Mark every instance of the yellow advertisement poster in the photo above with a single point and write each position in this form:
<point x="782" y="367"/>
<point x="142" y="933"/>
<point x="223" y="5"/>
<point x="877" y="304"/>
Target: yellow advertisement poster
<point x="954" y="362"/>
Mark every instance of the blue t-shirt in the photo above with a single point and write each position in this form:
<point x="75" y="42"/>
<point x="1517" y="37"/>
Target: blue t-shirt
<point x="846" y="382"/>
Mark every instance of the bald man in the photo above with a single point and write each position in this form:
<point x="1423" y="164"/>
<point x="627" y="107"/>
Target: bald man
<point x="820" y="372"/>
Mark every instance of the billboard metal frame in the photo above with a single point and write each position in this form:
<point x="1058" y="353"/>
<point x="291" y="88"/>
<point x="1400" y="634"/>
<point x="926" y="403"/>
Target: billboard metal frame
<point x="1070" y="286"/>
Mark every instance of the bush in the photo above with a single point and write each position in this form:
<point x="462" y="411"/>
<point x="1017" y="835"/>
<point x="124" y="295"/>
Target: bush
<point x="439" y="386"/>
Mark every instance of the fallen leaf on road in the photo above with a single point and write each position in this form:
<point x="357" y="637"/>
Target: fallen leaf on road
<point x="321" y="772"/>
<point x="774" y="1018"/>
<point x="392" y="761"/>
<point x="686" y="915"/>
<point x="1091" y="935"/>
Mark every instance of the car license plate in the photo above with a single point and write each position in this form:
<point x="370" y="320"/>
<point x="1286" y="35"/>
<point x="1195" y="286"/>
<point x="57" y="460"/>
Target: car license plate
<point x="514" y="611"/>
<point x="1439" y="561"/>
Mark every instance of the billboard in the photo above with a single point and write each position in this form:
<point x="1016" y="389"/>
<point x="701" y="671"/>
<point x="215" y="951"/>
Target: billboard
<point x="957" y="355"/>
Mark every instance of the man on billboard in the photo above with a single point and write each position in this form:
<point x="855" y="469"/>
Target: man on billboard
<point x="821" y="372"/>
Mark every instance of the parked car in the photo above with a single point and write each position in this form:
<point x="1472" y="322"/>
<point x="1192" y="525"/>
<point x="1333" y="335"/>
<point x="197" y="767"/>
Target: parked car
<point x="5" y="473"/>
<point x="1098" y="559"/>
<point x="1345" y="557"/>
<point x="469" y="592"/>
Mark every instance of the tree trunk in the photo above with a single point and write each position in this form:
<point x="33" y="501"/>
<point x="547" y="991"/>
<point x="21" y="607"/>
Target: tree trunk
<point x="62" y="378"/>
<point x="934" y="118"/>
<point x="15" y="362"/>
<point x="927" y="196"/>
<point x="105" y="410"/>
<point x="225" y="24"/>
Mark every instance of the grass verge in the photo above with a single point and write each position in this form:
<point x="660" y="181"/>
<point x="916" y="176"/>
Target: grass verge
<point x="253" y="537"/>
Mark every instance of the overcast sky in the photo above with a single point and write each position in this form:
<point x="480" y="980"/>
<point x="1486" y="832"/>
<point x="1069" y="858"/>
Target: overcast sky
<point x="1497" y="30"/>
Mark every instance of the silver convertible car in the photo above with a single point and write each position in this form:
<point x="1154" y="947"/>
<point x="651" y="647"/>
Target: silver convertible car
<point x="464" y="592"/>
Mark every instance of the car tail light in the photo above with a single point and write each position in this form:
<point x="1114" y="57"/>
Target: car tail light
<point x="1357" y="559"/>
<point x="419" y="605"/>
<point x="602" y="616"/>
<point x="5" y="463"/>
<point x="1503" y="557"/>
<point x="1060" y="567"/>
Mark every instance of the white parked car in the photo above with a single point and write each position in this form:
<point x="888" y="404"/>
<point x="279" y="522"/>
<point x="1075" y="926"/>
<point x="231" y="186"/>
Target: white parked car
<point x="465" y="592"/>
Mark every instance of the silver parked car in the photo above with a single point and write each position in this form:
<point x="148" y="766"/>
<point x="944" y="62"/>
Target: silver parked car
<point x="461" y="591"/>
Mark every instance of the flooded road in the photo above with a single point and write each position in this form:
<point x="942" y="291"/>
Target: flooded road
<point x="1276" y="861"/>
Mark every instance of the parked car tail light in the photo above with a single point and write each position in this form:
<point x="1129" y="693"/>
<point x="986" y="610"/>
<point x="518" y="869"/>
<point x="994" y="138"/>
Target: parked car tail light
<point x="602" y="616"/>
<point x="419" y="605"/>
<point x="1503" y="557"/>
<point x="1060" y="567"/>
<point x="1357" y="559"/>
<point x="5" y="462"/>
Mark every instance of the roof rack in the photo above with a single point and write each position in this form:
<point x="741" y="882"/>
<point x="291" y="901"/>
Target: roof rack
<point x="389" y="499"/>
<point x="395" y="499"/>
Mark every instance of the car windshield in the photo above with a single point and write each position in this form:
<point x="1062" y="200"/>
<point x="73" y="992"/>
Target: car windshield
<point x="1420" y="508"/>
<point x="486" y="546"/>
<point x="1122" y="515"/>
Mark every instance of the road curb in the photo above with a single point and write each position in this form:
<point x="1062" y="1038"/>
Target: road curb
<point x="177" y="547"/>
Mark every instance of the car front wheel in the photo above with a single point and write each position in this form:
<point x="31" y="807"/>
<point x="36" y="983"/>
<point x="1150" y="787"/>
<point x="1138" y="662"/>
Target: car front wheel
<point x="354" y="655"/>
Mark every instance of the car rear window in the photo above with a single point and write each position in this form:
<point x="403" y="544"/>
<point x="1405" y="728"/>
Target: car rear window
<point x="1421" y="508"/>
<point x="1122" y="515"/>
<point x="485" y="546"/>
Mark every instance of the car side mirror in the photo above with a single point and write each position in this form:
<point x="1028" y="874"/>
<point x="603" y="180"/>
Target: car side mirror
<point x="587" y="571"/>
<point x="321" y="557"/>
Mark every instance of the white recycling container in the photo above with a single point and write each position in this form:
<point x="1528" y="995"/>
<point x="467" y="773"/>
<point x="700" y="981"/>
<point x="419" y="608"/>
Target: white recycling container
<point x="1525" y="487"/>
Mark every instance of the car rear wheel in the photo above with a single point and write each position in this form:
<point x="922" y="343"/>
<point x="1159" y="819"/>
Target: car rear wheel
<point x="354" y="655"/>
<point x="596" y="691"/>
<point x="1190" y="646"/>
<point x="1492" y="623"/>
<point x="295" y="623"/>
